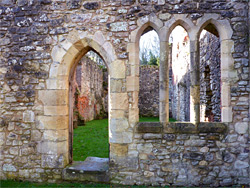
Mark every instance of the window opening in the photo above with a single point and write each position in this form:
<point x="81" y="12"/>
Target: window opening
<point x="149" y="75"/>
<point x="179" y="75"/>
<point x="210" y="75"/>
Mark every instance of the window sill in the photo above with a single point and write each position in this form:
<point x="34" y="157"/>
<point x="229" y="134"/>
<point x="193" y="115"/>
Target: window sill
<point x="181" y="127"/>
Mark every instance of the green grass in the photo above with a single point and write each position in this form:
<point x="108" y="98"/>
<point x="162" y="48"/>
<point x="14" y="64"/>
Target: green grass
<point x="91" y="140"/>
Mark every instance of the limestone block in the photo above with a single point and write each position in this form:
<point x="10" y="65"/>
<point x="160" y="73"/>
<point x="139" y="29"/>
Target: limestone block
<point x="119" y="150"/>
<point x="132" y="83"/>
<point x="52" y="122"/>
<point x="133" y="115"/>
<point x="53" y="97"/>
<point x="119" y="101"/>
<point x="52" y="148"/>
<point x="226" y="114"/>
<point x="118" y="125"/>
<point x="57" y="53"/>
<point x="116" y="85"/>
<point x="98" y="36"/>
<point x="135" y="70"/>
<point x="56" y="110"/>
<point x="117" y="69"/>
<point x="56" y="135"/>
<point x="28" y="116"/>
<point x="109" y="51"/>
<point x="241" y="127"/>
<point x="57" y="83"/>
<point x="54" y="161"/>
<point x="226" y="95"/>
<point x="227" y="47"/>
<point x="120" y="137"/>
<point x="117" y="114"/>
<point x="143" y="20"/>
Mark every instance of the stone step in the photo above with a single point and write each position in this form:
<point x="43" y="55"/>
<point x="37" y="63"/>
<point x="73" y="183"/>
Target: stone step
<point x="93" y="169"/>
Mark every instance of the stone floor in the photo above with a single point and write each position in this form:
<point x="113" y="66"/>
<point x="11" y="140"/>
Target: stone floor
<point x="93" y="169"/>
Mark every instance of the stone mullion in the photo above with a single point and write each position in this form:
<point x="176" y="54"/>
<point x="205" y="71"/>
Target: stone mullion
<point x="195" y="82"/>
<point x="164" y="85"/>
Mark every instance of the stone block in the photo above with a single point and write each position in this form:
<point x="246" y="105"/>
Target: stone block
<point x="116" y="85"/>
<point x="54" y="161"/>
<point x="9" y="168"/>
<point x="14" y="150"/>
<point x="119" y="101"/>
<point x="133" y="115"/>
<point x="52" y="122"/>
<point x="119" y="150"/>
<point x="24" y="173"/>
<point x="55" y="135"/>
<point x="52" y="148"/>
<point x="117" y="69"/>
<point x="132" y="83"/>
<point x="145" y="148"/>
<point x="151" y="136"/>
<point x="57" y="53"/>
<point x="56" y="110"/>
<point x="60" y="83"/>
<point x="53" y="97"/>
<point x="28" y="116"/>
<point x="118" y="125"/>
<point x="117" y="114"/>
<point x="226" y="114"/>
<point x="241" y="127"/>
<point x="120" y="137"/>
<point x="119" y="26"/>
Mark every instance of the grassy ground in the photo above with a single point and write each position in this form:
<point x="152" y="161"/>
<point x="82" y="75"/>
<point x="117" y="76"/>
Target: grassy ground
<point x="91" y="140"/>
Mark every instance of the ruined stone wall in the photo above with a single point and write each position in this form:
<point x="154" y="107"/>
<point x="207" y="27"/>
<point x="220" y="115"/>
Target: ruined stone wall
<point x="210" y="76"/>
<point x="41" y="42"/>
<point x="149" y="91"/>
<point x="90" y="93"/>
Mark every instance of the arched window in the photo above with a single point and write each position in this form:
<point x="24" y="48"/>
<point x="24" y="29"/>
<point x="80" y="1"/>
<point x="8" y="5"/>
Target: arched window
<point x="149" y="75"/>
<point x="210" y="75"/>
<point x="179" y="75"/>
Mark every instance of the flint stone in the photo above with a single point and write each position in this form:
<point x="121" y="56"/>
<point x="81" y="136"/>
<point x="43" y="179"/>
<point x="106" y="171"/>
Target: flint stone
<point x="9" y="168"/>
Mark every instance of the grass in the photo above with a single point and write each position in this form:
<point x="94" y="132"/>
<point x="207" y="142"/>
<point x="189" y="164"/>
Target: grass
<point x="91" y="140"/>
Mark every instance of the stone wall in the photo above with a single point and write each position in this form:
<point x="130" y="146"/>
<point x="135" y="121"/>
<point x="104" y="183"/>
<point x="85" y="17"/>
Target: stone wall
<point x="42" y="41"/>
<point x="90" y="91"/>
<point x="149" y="91"/>
<point x="210" y="74"/>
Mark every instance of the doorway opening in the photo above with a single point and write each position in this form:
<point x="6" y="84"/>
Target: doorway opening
<point x="89" y="108"/>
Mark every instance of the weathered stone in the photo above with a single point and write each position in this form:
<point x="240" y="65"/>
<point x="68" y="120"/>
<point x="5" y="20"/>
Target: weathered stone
<point x="9" y="168"/>
<point x="240" y="164"/>
<point x="150" y="136"/>
<point x="118" y="26"/>
<point x="241" y="127"/>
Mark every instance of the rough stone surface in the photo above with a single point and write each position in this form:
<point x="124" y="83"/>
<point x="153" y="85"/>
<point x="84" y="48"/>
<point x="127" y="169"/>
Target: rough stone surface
<point x="41" y="43"/>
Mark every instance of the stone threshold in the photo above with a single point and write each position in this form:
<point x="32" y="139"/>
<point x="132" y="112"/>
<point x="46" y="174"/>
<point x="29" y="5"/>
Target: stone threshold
<point x="181" y="127"/>
<point x="93" y="169"/>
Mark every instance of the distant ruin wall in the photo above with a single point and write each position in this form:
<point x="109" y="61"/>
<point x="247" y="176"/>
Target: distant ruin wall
<point x="90" y="90"/>
<point x="149" y="91"/>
